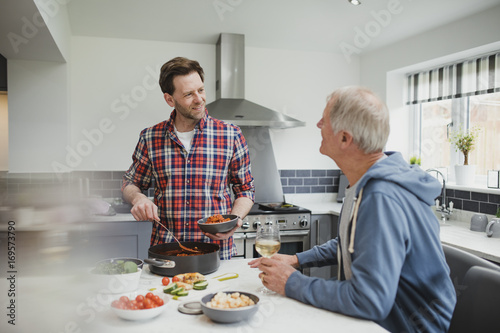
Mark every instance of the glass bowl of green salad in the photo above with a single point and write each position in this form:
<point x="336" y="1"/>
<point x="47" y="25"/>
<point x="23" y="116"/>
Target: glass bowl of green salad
<point x="116" y="275"/>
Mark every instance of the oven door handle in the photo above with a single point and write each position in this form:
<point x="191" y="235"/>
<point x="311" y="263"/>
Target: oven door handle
<point x="239" y="236"/>
<point x="283" y="233"/>
<point x="294" y="233"/>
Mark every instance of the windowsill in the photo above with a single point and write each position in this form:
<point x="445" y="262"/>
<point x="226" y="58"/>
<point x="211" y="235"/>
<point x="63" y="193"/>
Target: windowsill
<point x="480" y="189"/>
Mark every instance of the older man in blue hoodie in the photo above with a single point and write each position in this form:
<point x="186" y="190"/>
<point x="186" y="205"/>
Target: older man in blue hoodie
<point x="392" y="269"/>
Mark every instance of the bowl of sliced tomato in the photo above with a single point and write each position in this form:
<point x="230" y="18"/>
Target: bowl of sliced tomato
<point x="139" y="306"/>
<point x="218" y="223"/>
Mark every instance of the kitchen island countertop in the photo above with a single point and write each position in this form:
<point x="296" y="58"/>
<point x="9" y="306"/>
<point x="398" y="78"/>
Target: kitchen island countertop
<point x="63" y="303"/>
<point x="276" y="313"/>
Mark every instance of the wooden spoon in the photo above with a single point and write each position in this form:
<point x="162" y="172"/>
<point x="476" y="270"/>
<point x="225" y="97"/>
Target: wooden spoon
<point x="181" y="246"/>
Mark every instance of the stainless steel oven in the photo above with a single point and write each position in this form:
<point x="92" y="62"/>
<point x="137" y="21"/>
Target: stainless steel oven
<point x="295" y="227"/>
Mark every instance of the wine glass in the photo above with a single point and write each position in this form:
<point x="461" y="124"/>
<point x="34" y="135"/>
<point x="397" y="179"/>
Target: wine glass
<point x="267" y="243"/>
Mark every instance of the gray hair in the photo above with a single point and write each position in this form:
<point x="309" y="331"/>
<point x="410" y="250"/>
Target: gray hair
<point x="360" y="112"/>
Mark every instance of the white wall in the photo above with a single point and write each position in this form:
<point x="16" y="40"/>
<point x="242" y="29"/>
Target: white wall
<point x="38" y="114"/>
<point x="38" y="86"/>
<point x="115" y="94"/>
<point x="297" y="83"/>
<point x="77" y="115"/>
<point x="383" y="70"/>
<point x="106" y="73"/>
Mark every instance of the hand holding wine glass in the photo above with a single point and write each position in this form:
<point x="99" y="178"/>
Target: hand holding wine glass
<point x="267" y="243"/>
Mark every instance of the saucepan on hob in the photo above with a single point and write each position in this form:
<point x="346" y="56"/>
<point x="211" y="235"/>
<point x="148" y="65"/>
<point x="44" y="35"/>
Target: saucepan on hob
<point x="168" y="259"/>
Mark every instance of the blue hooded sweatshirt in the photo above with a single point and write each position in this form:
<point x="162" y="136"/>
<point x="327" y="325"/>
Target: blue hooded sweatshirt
<point x="400" y="278"/>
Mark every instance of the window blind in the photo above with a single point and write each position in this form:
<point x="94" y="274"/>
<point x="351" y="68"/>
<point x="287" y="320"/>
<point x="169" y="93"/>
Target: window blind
<point x="471" y="77"/>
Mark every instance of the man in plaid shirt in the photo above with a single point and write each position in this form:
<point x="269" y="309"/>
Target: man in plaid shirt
<point x="193" y="160"/>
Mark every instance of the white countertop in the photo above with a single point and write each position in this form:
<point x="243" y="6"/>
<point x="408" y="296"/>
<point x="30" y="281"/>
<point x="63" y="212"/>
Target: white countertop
<point x="61" y="304"/>
<point x="119" y="217"/>
<point x="276" y="313"/>
<point x="316" y="203"/>
<point x="457" y="233"/>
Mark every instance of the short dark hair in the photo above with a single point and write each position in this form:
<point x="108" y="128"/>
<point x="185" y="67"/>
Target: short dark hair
<point x="175" y="67"/>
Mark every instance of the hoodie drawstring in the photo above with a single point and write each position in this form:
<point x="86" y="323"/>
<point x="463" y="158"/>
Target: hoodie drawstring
<point x="354" y="219"/>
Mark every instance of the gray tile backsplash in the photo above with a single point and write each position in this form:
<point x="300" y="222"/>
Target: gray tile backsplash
<point x="486" y="203"/>
<point x="310" y="181"/>
<point x="46" y="188"/>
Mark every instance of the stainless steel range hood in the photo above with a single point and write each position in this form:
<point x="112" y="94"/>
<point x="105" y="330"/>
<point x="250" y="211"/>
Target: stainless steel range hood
<point x="230" y="104"/>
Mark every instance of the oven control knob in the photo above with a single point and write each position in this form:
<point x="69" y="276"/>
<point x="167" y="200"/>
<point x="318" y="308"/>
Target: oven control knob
<point x="304" y="223"/>
<point x="245" y="225"/>
<point x="256" y="224"/>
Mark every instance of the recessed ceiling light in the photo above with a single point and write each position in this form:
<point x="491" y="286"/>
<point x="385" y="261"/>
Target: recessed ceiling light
<point x="355" y="2"/>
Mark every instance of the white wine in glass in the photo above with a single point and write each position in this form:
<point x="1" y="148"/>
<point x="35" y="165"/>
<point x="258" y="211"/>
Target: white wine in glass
<point x="267" y="243"/>
<point x="267" y="247"/>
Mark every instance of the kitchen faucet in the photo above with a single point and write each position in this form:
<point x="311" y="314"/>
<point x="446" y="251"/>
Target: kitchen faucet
<point x="445" y="212"/>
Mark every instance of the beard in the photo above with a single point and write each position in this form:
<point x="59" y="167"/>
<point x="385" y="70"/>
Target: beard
<point x="189" y="113"/>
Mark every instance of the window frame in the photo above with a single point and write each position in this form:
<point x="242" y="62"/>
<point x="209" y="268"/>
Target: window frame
<point x="460" y="114"/>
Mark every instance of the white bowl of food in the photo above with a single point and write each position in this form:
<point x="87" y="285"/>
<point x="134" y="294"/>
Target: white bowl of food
<point x="218" y="223"/>
<point x="229" y="306"/>
<point x="139" y="306"/>
<point x="116" y="276"/>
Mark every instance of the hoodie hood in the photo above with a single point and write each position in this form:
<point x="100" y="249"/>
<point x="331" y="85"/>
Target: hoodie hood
<point x="410" y="177"/>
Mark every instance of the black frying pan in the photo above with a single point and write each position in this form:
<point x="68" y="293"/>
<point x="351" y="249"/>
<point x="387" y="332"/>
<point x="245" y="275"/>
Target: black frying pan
<point x="205" y="263"/>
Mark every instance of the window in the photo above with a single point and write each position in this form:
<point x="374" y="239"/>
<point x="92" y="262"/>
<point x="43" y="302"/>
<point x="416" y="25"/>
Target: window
<point x="485" y="112"/>
<point x="432" y="141"/>
<point x="463" y="94"/>
<point x="433" y="121"/>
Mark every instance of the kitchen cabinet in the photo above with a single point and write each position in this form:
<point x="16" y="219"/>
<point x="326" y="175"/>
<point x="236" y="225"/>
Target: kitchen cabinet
<point x="102" y="240"/>
<point x="323" y="228"/>
<point x="44" y="247"/>
<point x="40" y="246"/>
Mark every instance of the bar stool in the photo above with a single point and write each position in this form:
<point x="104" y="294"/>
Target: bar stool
<point x="460" y="262"/>
<point x="478" y="305"/>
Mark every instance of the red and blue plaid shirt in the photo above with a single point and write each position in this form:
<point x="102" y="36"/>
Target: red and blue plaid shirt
<point x="192" y="185"/>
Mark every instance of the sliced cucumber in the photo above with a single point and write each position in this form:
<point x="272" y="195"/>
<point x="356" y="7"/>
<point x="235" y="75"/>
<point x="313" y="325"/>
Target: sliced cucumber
<point x="200" y="285"/>
<point x="177" y="290"/>
<point x="182" y="293"/>
<point x="130" y="267"/>
<point x="168" y="289"/>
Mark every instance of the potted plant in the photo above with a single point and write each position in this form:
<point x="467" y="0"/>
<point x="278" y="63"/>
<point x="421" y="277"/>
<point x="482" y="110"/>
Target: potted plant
<point x="415" y="160"/>
<point x="464" y="141"/>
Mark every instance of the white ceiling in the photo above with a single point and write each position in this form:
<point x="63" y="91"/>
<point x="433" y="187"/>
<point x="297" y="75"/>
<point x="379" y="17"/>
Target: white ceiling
<point x="314" y="25"/>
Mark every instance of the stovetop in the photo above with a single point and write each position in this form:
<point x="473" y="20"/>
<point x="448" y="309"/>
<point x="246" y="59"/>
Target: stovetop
<point x="277" y="208"/>
<point x="289" y="217"/>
